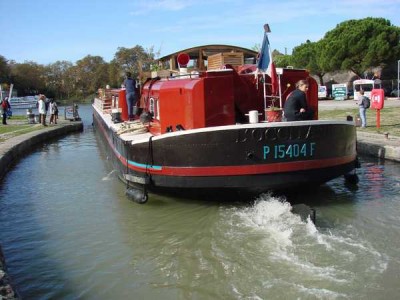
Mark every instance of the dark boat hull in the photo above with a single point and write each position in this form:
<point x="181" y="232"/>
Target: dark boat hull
<point x="252" y="157"/>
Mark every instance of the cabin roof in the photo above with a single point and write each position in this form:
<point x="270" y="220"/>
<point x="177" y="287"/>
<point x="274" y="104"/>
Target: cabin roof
<point x="201" y="55"/>
<point x="206" y="50"/>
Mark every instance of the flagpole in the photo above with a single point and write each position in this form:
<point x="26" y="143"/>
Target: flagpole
<point x="265" y="93"/>
<point x="280" y="91"/>
<point x="266" y="30"/>
<point x="265" y="65"/>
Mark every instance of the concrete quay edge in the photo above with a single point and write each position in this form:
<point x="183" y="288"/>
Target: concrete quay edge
<point x="378" y="145"/>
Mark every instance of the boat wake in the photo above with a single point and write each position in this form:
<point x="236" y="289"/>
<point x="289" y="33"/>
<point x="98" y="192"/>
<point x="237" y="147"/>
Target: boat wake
<point x="291" y="252"/>
<point x="113" y="174"/>
<point x="274" y="216"/>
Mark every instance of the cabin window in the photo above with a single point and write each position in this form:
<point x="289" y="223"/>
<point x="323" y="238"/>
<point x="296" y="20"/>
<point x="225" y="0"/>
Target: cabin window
<point x="154" y="108"/>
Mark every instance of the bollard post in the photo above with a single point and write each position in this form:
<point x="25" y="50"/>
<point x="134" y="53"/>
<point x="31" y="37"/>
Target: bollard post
<point x="378" y="118"/>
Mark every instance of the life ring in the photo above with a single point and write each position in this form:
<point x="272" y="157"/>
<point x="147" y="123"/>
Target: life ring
<point x="183" y="59"/>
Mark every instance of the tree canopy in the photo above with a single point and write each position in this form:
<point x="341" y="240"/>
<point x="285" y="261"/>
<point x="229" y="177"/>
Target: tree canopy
<point x="63" y="79"/>
<point x="4" y="69"/>
<point x="28" y="77"/>
<point x="354" y="45"/>
<point x="359" y="45"/>
<point x="308" y="56"/>
<point x="127" y="59"/>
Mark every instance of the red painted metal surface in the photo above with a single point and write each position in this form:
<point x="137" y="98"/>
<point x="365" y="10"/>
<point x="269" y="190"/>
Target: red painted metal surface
<point x="123" y="105"/>
<point x="377" y="98"/>
<point x="377" y="102"/>
<point x="216" y="98"/>
<point x="191" y="102"/>
<point x="249" y="169"/>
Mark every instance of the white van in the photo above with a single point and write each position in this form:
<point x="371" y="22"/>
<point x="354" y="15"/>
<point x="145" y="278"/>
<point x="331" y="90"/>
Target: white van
<point x="367" y="85"/>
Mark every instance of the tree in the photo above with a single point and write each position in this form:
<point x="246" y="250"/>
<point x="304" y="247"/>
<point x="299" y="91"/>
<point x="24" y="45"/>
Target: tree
<point x="56" y="80"/>
<point x="307" y="56"/>
<point x="281" y="60"/>
<point x="70" y="81"/>
<point x="91" y="74"/>
<point x="134" y="60"/>
<point x="115" y="74"/>
<point x="4" y="70"/>
<point x="360" y="45"/>
<point x="256" y="47"/>
<point x="28" y="78"/>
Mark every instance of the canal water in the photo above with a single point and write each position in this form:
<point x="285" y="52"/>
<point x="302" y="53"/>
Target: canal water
<point x="69" y="232"/>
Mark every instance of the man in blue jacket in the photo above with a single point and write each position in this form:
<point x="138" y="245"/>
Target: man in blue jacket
<point x="131" y="97"/>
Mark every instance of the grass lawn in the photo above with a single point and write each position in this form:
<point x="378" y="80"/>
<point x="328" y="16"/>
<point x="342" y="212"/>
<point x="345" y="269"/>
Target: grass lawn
<point x="17" y="125"/>
<point x="390" y="119"/>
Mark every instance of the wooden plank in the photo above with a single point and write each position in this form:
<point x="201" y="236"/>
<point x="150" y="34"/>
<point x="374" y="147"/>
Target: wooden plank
<point x="216" y="61"/>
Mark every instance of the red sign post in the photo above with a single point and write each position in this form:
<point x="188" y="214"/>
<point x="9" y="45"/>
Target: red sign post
<point x="377" y="100"/>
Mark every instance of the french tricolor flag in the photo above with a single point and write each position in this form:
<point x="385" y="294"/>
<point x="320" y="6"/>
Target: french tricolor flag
<point x="265" y="63"/>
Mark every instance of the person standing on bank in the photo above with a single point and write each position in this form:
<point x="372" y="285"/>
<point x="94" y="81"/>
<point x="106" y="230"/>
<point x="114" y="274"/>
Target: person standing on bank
<point x="296" y="108"/>
<point x="363" y="104"/>
<point x="42" y="109"/>
<point x="55" y="113"/>
<point x="4" y="107"/>
<point x="53" y="108"/>
<point x="131" y="97"/>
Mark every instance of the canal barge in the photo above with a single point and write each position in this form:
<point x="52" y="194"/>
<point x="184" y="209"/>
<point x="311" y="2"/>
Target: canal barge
<point x="216" y="125"/>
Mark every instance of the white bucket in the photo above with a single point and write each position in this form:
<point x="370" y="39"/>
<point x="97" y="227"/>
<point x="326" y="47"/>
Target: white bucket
<point x="253" y="116"/>
<point x="183" y="71"/>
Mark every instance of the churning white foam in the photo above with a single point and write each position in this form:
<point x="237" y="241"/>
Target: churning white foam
<point x="274" y="216"/>
<point x="110" y="175"/>
<point x="337" y="255"/>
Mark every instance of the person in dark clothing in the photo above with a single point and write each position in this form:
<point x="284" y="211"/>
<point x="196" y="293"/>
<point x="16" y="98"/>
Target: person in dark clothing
<point x="131" y="97"/>
<point x="296" y="108"/>
<point x="5" y="106"/>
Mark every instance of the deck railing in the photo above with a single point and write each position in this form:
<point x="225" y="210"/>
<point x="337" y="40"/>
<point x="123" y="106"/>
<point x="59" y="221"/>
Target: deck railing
<point x="107" y="100"/>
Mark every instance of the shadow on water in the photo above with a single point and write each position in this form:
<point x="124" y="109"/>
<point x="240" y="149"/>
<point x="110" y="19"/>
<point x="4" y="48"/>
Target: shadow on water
<point x="322" y="195"/>
<point x="314" y="196"/>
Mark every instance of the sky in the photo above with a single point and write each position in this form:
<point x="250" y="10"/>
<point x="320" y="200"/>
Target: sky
<point x="47" y="31"/>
